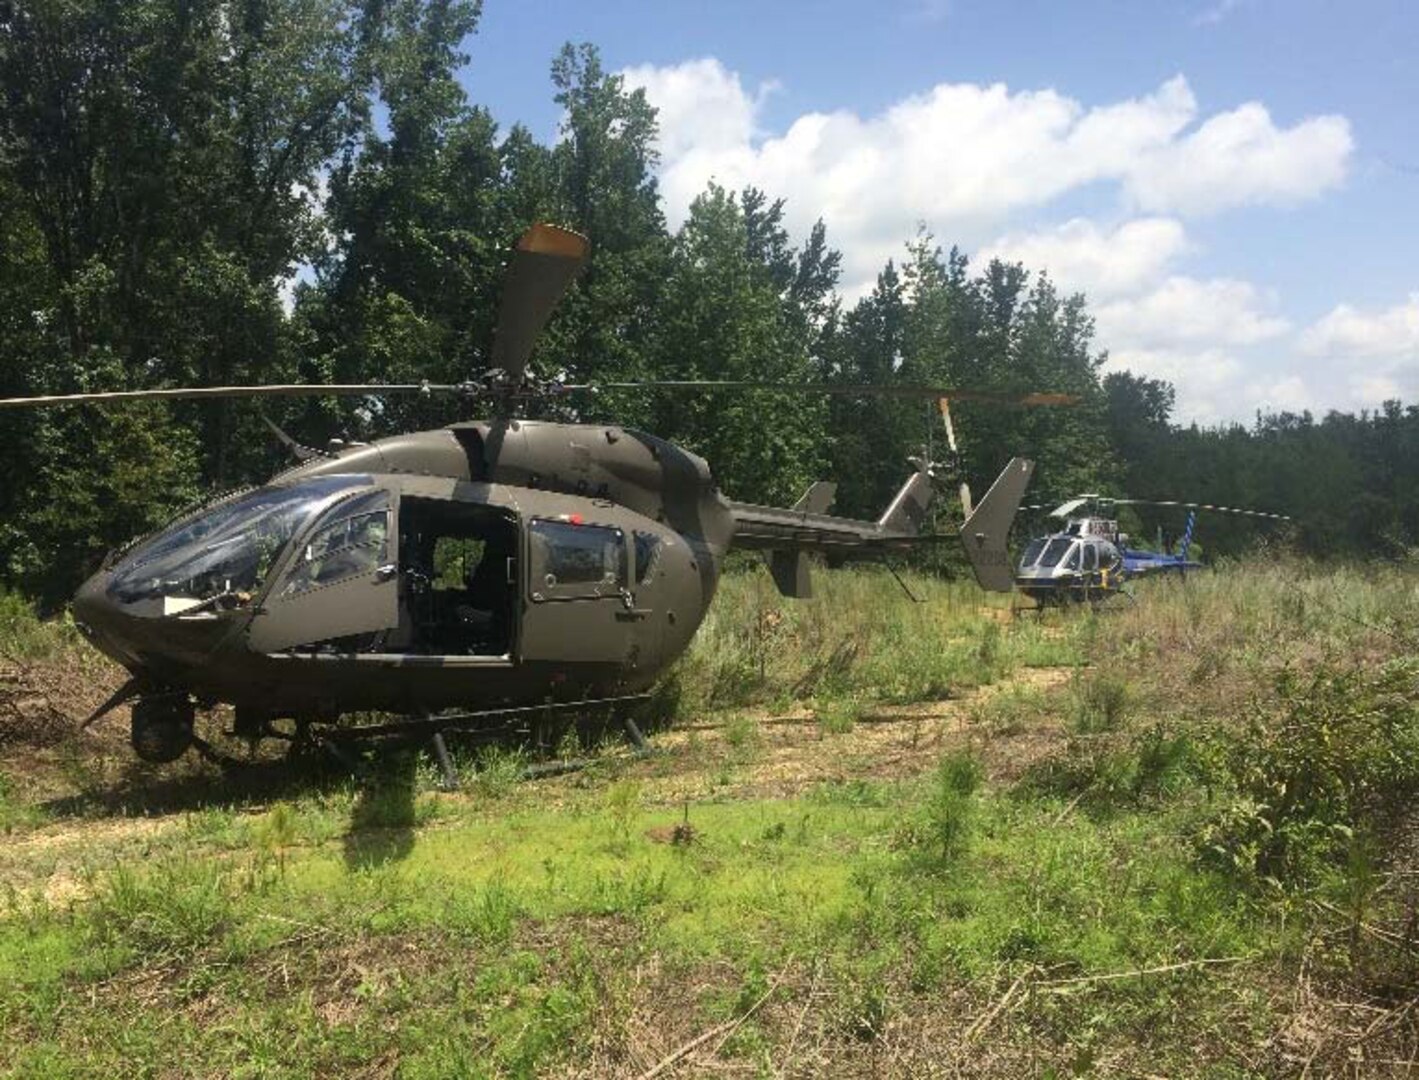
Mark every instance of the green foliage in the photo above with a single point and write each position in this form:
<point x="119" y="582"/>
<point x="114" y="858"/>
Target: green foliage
<point x="741" y="732"/>
<point x="497" y="770"/>
<point x="169" y="909"/>
<point x="726" y="314"/>
<point x="941" y="832"/>
<point x="837" y="716"/>
<point x="1102" y="701"/>
<point x="24" y="636"/>
<point x="623" y="803"/>
<point x="1329" y="763"/>
<point x="756" y="648"/>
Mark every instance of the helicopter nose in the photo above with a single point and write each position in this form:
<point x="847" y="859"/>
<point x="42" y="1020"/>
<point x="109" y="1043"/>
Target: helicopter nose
<point x="98" y="617"/>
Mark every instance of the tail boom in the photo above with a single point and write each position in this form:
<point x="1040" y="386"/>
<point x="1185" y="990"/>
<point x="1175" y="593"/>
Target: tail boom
<point x="789" y="535"/>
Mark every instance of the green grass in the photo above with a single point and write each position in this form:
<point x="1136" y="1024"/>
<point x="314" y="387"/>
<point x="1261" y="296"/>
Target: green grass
<point x="1119" y="820"/>
<point x="757" y="648"/>
<point x="982" y="882"/>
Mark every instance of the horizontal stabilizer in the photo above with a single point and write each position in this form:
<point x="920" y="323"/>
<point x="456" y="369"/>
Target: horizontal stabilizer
<point x="985" y="532"/>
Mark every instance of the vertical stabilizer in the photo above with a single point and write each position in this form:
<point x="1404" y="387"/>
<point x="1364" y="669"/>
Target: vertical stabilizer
<point x="985" y="532"/>
<point x="791" y="574"/>
<point x="907" y="511"/>
<point x="818" y="499"/>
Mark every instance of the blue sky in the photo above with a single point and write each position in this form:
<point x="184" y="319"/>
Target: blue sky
<point x="1234" y="183"/>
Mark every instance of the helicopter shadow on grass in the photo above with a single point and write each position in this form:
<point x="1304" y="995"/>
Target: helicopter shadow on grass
<point x="383" y="819"/>
<point x="142" y="790"/>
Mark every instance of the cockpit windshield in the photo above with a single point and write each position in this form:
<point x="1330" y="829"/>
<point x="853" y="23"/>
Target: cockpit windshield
<point x="1055" y="551"/>
<point x="1032" y="552"/>
<point x="227" y="549"/>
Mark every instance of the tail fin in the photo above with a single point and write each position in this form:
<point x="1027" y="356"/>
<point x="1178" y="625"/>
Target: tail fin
<point x="1187" y="534"/>
<point x="907" y="511"/>
<point x="985" y="531"/>
<point x="818" y="499"/>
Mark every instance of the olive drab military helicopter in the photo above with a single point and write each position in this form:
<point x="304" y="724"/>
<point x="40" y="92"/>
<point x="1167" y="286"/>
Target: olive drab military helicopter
<point x="499" y="568"/>
<point x="1089" y="560"/>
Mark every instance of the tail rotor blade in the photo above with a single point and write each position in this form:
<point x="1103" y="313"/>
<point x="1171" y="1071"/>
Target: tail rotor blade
<point x="955" y="453"/>
<point x="545" y="263"/>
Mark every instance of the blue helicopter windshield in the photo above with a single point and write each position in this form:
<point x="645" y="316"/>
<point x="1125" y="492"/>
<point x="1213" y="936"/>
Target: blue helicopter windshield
<point x="229" y="548"/>
<point x="1032" y="552"/>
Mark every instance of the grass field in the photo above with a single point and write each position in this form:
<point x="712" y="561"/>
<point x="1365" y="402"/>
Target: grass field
<point x="1171" y="838"/>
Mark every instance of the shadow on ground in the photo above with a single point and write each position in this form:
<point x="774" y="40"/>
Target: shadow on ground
<point x="116" y="785"/>
<point x="383" y="818"/>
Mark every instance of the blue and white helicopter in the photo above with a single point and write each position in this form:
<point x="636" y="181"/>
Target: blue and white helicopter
<point x="1090" y="560"/>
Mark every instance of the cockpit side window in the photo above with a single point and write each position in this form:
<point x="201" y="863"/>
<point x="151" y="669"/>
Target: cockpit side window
<point x="1091" y="557"/>
<point x="355" y="542"/>
<point x="1071" y="561"/>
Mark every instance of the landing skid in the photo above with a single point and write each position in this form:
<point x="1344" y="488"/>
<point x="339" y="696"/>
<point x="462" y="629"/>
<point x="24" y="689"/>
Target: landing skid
<point x="430" y="730"/>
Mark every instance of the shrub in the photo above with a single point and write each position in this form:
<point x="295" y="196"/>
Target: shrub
<point x="940" y="834"/>
<point x="837" y="716"/>
<point x="1333" y="758"/>
<point x="741" y="731"/>
<point x="1102" y="702"/>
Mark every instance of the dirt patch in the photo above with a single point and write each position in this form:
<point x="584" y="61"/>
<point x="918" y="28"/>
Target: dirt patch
<point x="99" y="832"/>
<point x="782" y="755"/>
<point x="42" y="705"/>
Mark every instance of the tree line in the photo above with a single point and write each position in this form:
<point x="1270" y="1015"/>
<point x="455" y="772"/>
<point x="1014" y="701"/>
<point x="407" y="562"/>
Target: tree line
<point x="167" y="165"/>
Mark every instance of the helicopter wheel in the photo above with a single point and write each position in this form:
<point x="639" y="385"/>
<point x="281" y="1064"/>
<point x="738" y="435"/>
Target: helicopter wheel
<point x="162" y="727"/>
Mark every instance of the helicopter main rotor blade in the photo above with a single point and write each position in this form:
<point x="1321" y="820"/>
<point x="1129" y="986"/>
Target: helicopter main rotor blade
<point x="909" y="391"/>
<point x="1199" y="506"/>
<point x="545" y="263"/>
<point x="1068" y="508"/>
<point x="1064" y="510"/>
<point x="269" y="390"/>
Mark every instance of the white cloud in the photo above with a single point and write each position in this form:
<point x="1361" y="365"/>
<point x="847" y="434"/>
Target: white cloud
<point x="1204" y="377"/>
<point x="1376" y="352"/>
<point x="1241" y="158"/>
<point x="972" y="160"/>
<point x="1220" y="311"/>
<point x="1375" y="389"/>
<point x="1194" y="332"/>
<point x="1290" y="393"/>
<point x="704" y="108"/>
<point x="1349" y="333"/>
<point x="1216" y="13"/>
<point x="1082" y="256"/>
<point x="963" y="157"/>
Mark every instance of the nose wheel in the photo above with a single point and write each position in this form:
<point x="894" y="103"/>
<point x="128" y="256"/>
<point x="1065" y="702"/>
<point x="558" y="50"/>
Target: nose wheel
<point x="162" y="727"/>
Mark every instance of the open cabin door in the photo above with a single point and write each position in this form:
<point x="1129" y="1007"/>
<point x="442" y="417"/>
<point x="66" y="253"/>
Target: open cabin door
<point x="341" y="587"/>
